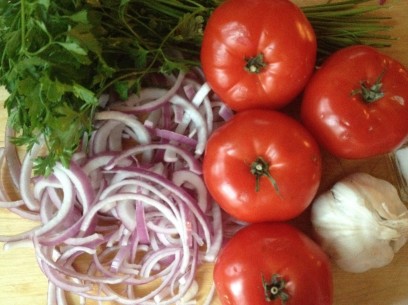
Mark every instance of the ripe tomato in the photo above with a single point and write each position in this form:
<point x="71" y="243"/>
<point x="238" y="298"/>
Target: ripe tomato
<point x="275" y="262"/>
<point x="262" y="165"/>
<point x="356" y="104"/>
<point x="258" y="53"/>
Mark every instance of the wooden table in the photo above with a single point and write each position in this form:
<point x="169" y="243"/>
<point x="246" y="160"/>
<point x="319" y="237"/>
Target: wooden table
<point x="22" y="283"/>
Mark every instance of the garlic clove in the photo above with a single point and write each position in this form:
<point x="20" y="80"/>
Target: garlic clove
<point x="382" y="195"/>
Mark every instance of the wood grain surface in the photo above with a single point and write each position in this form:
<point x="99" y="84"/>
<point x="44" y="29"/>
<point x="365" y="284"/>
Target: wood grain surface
<point x="22" y="283"/>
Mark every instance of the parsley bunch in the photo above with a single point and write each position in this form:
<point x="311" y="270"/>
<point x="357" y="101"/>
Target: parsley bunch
<point x="58" y="57"/>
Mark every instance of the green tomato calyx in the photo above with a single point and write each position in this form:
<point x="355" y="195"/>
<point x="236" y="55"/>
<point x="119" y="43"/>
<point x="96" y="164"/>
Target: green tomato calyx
<point x="370" y="93"/>
<point x="275" y="289"/>
<point x="255" y="64"/>
<point x="260" y="168"/>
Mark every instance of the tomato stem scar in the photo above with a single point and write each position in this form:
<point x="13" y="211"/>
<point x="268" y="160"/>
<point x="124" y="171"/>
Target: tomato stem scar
<point x="275" y="289"/>
<point x="260" y="168"/>
<point x="255" y="64"/>
<point x="371" y="93"/>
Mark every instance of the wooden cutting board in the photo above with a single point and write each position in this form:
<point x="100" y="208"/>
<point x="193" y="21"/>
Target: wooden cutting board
<point x="22" y="283"/>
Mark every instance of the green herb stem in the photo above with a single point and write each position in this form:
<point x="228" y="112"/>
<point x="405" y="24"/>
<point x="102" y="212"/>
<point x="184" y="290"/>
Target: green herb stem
<point x="344" y="23"/>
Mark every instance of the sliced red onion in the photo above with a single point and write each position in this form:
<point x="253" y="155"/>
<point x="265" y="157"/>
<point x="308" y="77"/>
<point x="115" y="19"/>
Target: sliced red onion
<point x="142" y="102"/>
<point x="111" y="202"/>
<point x="195" y="183"/>
<point x="141" y="133"/>
<point x="129" y="120"/>
<point x="25" y="214"/>
<point x="192" y="114"/>
<point x="11" y="204"/>
<point x="174" y="190"/>
<point x="193" y="164"/>
<point x="18" y="237"/>
<point x="66" y="205"/>
<point x="199" y="98"/>
<point x="25" y="178"/>
<point x="81" y="182"/>
<point x="91" y="240"/>
<point x="173" y="136"/>
<point x="132" y="204"/>
<point x="101" y="138"/>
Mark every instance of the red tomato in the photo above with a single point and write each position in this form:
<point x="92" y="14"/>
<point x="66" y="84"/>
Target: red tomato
<point x="275" y="262"/>
<point x="356" y="104"/>
<point x="262" y="165"/>
<point x="258" y="53"/>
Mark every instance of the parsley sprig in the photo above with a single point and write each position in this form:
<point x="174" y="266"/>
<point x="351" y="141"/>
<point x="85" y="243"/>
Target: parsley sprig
<point x="58" y="57"/>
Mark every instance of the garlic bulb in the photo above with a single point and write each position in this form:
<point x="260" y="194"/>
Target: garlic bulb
<point x="361" y="222"/>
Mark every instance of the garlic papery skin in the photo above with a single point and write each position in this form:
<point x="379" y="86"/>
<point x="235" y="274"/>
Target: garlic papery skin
<point x="360" y="222"/>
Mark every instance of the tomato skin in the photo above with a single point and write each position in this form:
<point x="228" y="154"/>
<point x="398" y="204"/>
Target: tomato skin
<point x="241" y="29"/>
<point x="293" y="158"/>
<point x="342" y="122"/>
<point x="265" y="249"/>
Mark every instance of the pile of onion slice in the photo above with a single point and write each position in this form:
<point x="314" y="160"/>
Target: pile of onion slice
<point x="130" y="220"/>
